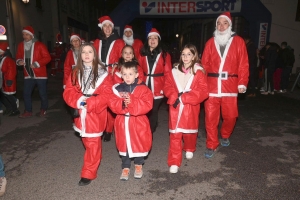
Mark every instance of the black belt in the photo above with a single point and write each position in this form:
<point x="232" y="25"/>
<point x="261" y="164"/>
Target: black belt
<point x="223" y="75"/>
<point x="127" y="115"/>
<point x="90" y="95"/>
<point x="154" y="75"/>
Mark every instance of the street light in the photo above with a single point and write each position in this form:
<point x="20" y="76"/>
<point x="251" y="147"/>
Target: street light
<point x="177" y="35"/>
<point x="25" y="1"/>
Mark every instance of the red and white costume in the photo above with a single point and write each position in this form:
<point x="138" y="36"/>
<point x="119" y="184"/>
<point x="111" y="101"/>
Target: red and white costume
<point x="184" y="119"/>
<point x="132" y="129"/>
<point x="157" y="74"/>
<point x="39" y="56"/>
<point x="69" y="64"/>
<point x="137" y="45"/>
<point x="92" y="120"/>
<point x="9" y="72"/>
<point x="114" y="51"/>
<point x="226" y="74"/>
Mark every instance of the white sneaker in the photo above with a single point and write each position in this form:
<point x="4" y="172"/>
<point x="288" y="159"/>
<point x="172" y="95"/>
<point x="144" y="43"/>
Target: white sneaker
<point x="18" y="103"/>
<point x="174" y="169"/>
<point x="189" y="155"/>
<point x="2" y="185"/>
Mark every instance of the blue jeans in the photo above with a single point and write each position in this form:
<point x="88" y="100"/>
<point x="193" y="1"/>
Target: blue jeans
<point x="29" y="85"/>
<point x="2" y="173"/>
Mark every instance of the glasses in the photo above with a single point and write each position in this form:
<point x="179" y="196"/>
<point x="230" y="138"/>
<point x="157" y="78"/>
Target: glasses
<point x="186" y="55"/>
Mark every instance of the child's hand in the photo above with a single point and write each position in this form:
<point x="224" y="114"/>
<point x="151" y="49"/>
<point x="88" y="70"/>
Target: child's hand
<point x="127" y="100"/>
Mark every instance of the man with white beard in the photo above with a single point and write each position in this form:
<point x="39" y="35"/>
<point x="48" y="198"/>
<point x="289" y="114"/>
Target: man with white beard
<point x="225" y="60"/>
<point x="129" y="40"/>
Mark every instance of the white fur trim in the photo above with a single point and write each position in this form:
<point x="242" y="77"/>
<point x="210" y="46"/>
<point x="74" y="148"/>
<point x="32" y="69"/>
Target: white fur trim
<point x="28" y="33"/>
<point x="224" y="16"/>
<point x="104" y="22"/>
<point x="153" y="33"/>
<point x="74" y="36"/>
<point x="128" y="29"/>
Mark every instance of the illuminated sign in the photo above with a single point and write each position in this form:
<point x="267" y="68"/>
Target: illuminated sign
<point x="2" y="30"/>
<point x="263" y="30"/>
<point x="192" y="7"/>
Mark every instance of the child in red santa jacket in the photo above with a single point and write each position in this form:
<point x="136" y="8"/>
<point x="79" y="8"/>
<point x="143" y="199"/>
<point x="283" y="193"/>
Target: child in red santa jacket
<point x="88" y="89"/>
<point x="131" y="101"/>
<point x="185" y="87"/>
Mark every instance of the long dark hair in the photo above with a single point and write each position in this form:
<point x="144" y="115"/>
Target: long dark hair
<point x="145" y="51"/>
<point x="79" y="67"/>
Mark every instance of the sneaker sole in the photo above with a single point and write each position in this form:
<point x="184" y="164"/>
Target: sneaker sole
<point x="138" y="176"/>
<point x="225" y="145"/>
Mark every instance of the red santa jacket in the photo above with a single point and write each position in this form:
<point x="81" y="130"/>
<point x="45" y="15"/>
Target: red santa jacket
<point x="185" y="117"/>
<point x="117" y="77"/>
<point x="114" y="51"/>
<point x="137" y="45"/>
<point x="159" y="70"/>
<point x="69" y="64"/>
<point x="92" y="120"/>
<point x="132" y="129"/>
<point x="9" y="73"/>
<point x="228" y="73"/>
<point x="39" y="55"/>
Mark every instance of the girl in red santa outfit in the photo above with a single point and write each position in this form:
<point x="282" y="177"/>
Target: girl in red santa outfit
<point x="155" y="62"/>
<point x="88" y="89"/>
<point x="131" y="101"/>
<point x="8" y="73"/>
<point x="128" y="55"/>
<point x="185" y="87"/>
<point x="72" y="56"/>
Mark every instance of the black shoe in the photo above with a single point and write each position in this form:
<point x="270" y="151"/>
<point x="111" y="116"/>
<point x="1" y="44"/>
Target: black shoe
<point x="14" y="113"/>
<point x="84" y="181"/>
<point x="106" y="136"/>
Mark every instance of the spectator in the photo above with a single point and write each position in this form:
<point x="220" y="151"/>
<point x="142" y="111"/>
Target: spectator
<point x="137" y="44"/>
<point x="288" y="60"/>
<point x="33" y="56"/>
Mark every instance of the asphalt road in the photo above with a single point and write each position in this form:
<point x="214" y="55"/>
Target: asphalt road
<point x="43" y="157"/>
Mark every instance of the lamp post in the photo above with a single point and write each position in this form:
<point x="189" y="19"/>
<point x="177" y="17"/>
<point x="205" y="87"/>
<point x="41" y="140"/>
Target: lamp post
<point x="25" y="1"/>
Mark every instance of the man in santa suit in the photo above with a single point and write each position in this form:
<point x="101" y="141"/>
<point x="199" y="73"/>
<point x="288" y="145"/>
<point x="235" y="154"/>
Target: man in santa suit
<point x="109" y="48"/>
<point x="225" y="60"/>
<point x="137" y="44"/>
<point x="33" y="56"/>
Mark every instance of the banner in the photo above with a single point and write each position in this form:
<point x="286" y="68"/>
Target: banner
<point x="262" y="39"/>
<point x="188" y="7"/>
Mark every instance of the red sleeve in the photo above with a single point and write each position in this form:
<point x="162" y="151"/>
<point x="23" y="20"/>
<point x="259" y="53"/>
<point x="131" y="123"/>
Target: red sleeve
<point x="44" y="57"/>
<point x="170" y="90"/>
<point x="69" y="61"/>
<point x="141" y="101"/>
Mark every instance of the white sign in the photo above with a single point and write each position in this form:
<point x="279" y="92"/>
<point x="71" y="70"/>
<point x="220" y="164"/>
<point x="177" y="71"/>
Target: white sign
<point x="188" y="7"/>
<point x="3" y="37"/>
<point x="263" y="30"/>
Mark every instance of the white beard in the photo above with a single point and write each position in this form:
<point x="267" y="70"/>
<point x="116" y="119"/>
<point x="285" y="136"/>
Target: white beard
<point x="27" y="45"/>
<point x="128" y="40"/>
<point x="223" y="37"/>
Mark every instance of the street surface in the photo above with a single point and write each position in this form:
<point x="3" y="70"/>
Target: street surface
<point x="43" y="156"/>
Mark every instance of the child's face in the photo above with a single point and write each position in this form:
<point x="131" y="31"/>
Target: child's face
<point x="127" y="54"/>
<point x="87" y="55"/>
<point x="129" y="75"/>
<point x="187" y="56"/>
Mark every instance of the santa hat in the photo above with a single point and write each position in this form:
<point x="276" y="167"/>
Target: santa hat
<point x="73" y="36"/>
<point x="29" y="30"/>
<point x="3" y="46"/>
<point x="227" y="16"/>
<point x="154" y="32"/>
<point x="104" y="20"/>
<point x="128" y="28"/>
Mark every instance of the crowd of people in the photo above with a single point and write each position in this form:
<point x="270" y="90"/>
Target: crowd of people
<point x="115" y="86"/>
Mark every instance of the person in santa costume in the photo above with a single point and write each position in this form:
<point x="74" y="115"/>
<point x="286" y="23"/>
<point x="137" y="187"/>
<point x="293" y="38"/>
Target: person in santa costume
<point x="8" y="73"/>
<point x="155" y="62"/>
<point x="225" y="60"/>
<point x="127" y="56"/>
<point x="185" y="87"/>
<point x="131" y="101"/>
<point x="137" y="44"/>
<point x="33" y="56"/>
<point x="88" y="89"/>
<point x="109" y="49"/>
<point x="72" y="56"/>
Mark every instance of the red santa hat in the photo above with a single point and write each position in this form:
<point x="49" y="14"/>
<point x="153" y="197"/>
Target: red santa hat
<point x="128" y="28"/>
<point x="73" y="36"/>
<point x="153" y="31"/>
<point x="227" y="16"/>
<point x="29" y="30"/>
<point x="3" y="46"/>
<point x="104" y="20"/>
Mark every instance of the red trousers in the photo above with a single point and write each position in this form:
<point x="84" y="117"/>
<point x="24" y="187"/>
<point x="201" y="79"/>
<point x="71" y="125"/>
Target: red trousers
<point x="277" y="78"/>
<point x="92" y="157"/>
<point x="228" y="108"/>
<point x="175" y="148"/>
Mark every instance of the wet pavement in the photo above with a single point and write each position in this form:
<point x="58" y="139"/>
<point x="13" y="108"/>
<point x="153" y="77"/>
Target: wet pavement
<point x="43" y="156"/>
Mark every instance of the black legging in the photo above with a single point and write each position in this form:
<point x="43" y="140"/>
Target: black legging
<point x="270" y="81"/>
<point x="8" y="101"/>
<point x="153" y="114"/>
